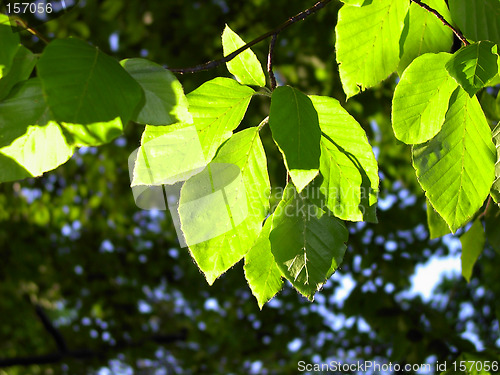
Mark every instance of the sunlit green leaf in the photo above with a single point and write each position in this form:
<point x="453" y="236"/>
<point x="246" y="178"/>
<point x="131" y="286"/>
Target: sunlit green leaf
<point x="424" y="32"/>
<point x="347" y="163"/>
<point x="30" y="143"/>
<point x="222" y="209"/>
<point x="367" y="43"/>
<point x="421" y="99"/>
<point x="474" y="66"/>
<point x="245" y="67"/>
<point x="164" y="102"/>
<point x="456" y="167"/>
<point x="217" y="107"/>
<point x="261" y="270"/>
<point x="356" y="3"/>
<point x="295" y="127"/>
<point x="168" y="154"/>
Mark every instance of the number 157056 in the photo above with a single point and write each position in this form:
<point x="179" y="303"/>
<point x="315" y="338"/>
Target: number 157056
<point x="31" y="8"/>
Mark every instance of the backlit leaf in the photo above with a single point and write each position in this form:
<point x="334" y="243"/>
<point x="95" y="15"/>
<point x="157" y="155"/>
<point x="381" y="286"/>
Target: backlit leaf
<point x="217" y="107"/>
<point x="221" y="218"/>
<point x="30" y="142"/>
<point x="367" y="44"/>
<point x="421" y="99"/>
<point x="347" y="163"/>
<point x="245" y="67"/>
<point x="261" y="270"/>
<point x="424" y="32"/>
<point x="456" y="167"/>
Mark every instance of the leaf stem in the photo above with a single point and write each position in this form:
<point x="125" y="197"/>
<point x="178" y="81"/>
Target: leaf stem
<point x="263" y="123"/>
<point x="214" y="63"/>
<point x="441" y="18"/>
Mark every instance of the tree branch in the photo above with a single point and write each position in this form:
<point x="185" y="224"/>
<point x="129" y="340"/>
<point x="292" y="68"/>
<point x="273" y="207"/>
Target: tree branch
<point x="64" y="353"/>
<point x="214" y="63"/>
<point x="270" y="55"/>
<point x="54" y="332"/>
<point x="441" y="18"/>
<point x="87" y="354"/>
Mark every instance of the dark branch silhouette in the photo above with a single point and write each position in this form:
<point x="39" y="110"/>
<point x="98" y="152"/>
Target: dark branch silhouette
<point x="270" y="56"/>
<point x="64" y="353"/>
<point x="214" y="63"/>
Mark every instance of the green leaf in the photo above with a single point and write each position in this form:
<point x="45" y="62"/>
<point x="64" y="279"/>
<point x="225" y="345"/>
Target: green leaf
<point x="437" y="226"/>
<point x="421" y="99"/>
<point x="456" y="167"/>
<point x="356" y="3"/>
<point x="261" y="270"/>
<point x="163" y="102"/>
<point x="306" y="241"/>
<point x="472" y="246"/>
<point x="295" y="128"/>
<point x="347" y="163"/>
<point x="495" y="189"/>
<point x="368" y="43"/>
<point x="84" y="86"/>
<point x="477" y="19"/>
<point x="473" y="66"/>
<point x="23" y="63"/>
<point x="179" y="144"/>
<point x="95" y="134"/>
<point x="222" y="209"/>
<point x="245" y="67"/>
<point x="489" y="106"/>
<point x="424" y="32"/>
<point x="217" y="107"/>
<point x="10" y="44"/>
<point x="30" y="143"/>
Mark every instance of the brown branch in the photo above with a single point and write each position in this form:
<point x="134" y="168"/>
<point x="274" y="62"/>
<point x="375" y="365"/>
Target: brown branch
<point x="214" y="63"/>
<point x="441" y="18"/>
<point x="270" y="55"/>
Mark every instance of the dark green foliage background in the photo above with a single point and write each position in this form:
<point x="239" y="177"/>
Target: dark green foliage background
<point x="39" y="262"/>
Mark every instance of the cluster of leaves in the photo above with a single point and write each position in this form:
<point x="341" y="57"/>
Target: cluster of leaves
<point x="82" y="97"/>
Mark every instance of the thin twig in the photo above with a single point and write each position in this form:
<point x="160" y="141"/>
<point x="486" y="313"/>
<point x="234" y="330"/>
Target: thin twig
<point x="441" y="18"/>
<point x="214" y="63"/>
<point x="22" y="24"/>
<point x="263" y="123"/>
<point x="270" y="56"/>
<point x="483" y="214"/>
